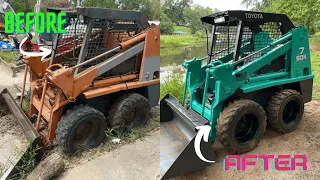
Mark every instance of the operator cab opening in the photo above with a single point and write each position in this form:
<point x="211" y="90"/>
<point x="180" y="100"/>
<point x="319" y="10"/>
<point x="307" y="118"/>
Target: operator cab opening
<point x="240" y="37"/>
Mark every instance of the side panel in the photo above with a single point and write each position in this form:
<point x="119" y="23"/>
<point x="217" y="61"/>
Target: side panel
<point x="150" y="64"/>
<point x="300" y="57"/>
<point x="120" y="58"/>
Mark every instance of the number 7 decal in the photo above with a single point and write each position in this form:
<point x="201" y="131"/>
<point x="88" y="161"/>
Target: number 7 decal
<point x="301" y="49"/>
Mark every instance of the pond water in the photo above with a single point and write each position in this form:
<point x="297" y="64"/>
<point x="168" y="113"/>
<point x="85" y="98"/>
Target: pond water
<point x="173" y="57"/>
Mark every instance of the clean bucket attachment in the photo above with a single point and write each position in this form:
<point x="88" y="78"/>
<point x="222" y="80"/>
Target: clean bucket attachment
<point x="9" y="105"/>
<point x="177" y="135"/>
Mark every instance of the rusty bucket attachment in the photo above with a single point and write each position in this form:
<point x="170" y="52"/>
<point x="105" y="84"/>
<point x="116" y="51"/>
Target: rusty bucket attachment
<point x="8" y="105"/>
<point x="177" y="135"/>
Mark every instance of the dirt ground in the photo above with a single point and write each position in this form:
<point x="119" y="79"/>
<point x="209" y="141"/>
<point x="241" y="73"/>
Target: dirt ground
<point x="12" y="142"/>
<point x="304" y="140"/>
<point x="315" y="48"/>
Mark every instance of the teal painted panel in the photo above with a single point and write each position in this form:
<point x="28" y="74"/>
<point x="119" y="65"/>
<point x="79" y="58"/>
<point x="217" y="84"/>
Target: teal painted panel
<point x="265" y="84"/>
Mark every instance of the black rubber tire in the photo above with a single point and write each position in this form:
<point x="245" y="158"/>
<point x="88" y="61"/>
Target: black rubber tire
<point x="129" y="111"/>
<point x="228" y="121"/>
<point x="276" y="108"/>
<point x="70" y="123"/>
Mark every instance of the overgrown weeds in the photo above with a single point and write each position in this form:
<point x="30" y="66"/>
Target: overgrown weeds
<point x="9" y="56"/>
<point x="172" y="84"/>
<point x="28" y="162"/>
<point x="26" y="165"/>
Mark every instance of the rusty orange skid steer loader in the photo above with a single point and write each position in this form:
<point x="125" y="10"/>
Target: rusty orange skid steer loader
<point x="104" y="72"/>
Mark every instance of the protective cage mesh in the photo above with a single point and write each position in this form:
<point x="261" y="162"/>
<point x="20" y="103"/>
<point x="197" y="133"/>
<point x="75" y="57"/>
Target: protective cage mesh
<point x="225" y="40"/>
<point x="254" y="38"/>
<point x="105" y="35"/>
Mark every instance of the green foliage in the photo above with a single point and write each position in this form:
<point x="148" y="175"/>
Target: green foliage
<point x="176" y="40"/>
<point x="193" y="14"/>
<point x="54" y="3"/>
<point x="149" y="8"/>
<point x="315" y="65"/>
<point x="155" y="9"/>
<point x="25" y="104"/>
<point x="9" y="56"/>
<point x="28" y="163"/>
<point x="315" y="40"/>
<point x="166" y="24"/>
<point x="22" y="5"/>
<point x="301" y="12"/>
<point x="109" y="132"/>
<point x="173" y="84"/>
<point x="174" y="9"/>
<point x="100" y="3"/>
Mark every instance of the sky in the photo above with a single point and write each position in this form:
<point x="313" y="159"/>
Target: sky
<point x="221" y="4"/>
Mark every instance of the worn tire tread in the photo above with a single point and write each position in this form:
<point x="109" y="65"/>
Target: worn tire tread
<point x="274" y="106"/>
<point x="127" y="100"/>
<point x="68" y="120"/>
<point x="226" y="118"/>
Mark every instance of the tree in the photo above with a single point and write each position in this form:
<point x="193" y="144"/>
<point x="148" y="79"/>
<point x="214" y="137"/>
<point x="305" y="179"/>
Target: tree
<point x="300" y="12"/>
<point x="55" y="3"/>
<point x="193" y="14"/>
<point x="18" y="5"/>
<point x="166" y="26"/>
<point x="155" y="9"/>
<point x="147" y="7"/>
<point x="113" y="4"/>
<point x="174" y="9"/>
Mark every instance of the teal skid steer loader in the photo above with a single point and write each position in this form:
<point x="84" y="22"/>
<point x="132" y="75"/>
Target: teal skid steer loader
<point x="257" y="72"/>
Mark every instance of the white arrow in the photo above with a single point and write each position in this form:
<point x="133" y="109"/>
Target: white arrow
<point x="203" y="131"/>
<point x="44" y="51"/>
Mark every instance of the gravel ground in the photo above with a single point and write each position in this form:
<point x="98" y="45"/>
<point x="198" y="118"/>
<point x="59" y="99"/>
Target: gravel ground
<point x="304" y="140"/>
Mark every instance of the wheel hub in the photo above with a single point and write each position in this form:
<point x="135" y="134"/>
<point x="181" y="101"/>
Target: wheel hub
<point x="246" y="128"/>
<point x="290" y="112"/>
<point x="83" y="133"/>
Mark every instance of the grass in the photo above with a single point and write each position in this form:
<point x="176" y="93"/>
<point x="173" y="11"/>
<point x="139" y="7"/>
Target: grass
<point x="183" y="29"/>
<point x="173" y="84"/>
<point x="315" y="63"/>
<point x="27" y="164"/>
<point x="315" y="40"/>
<point x="8" y="56"/>
<point x="183" y="40"/>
